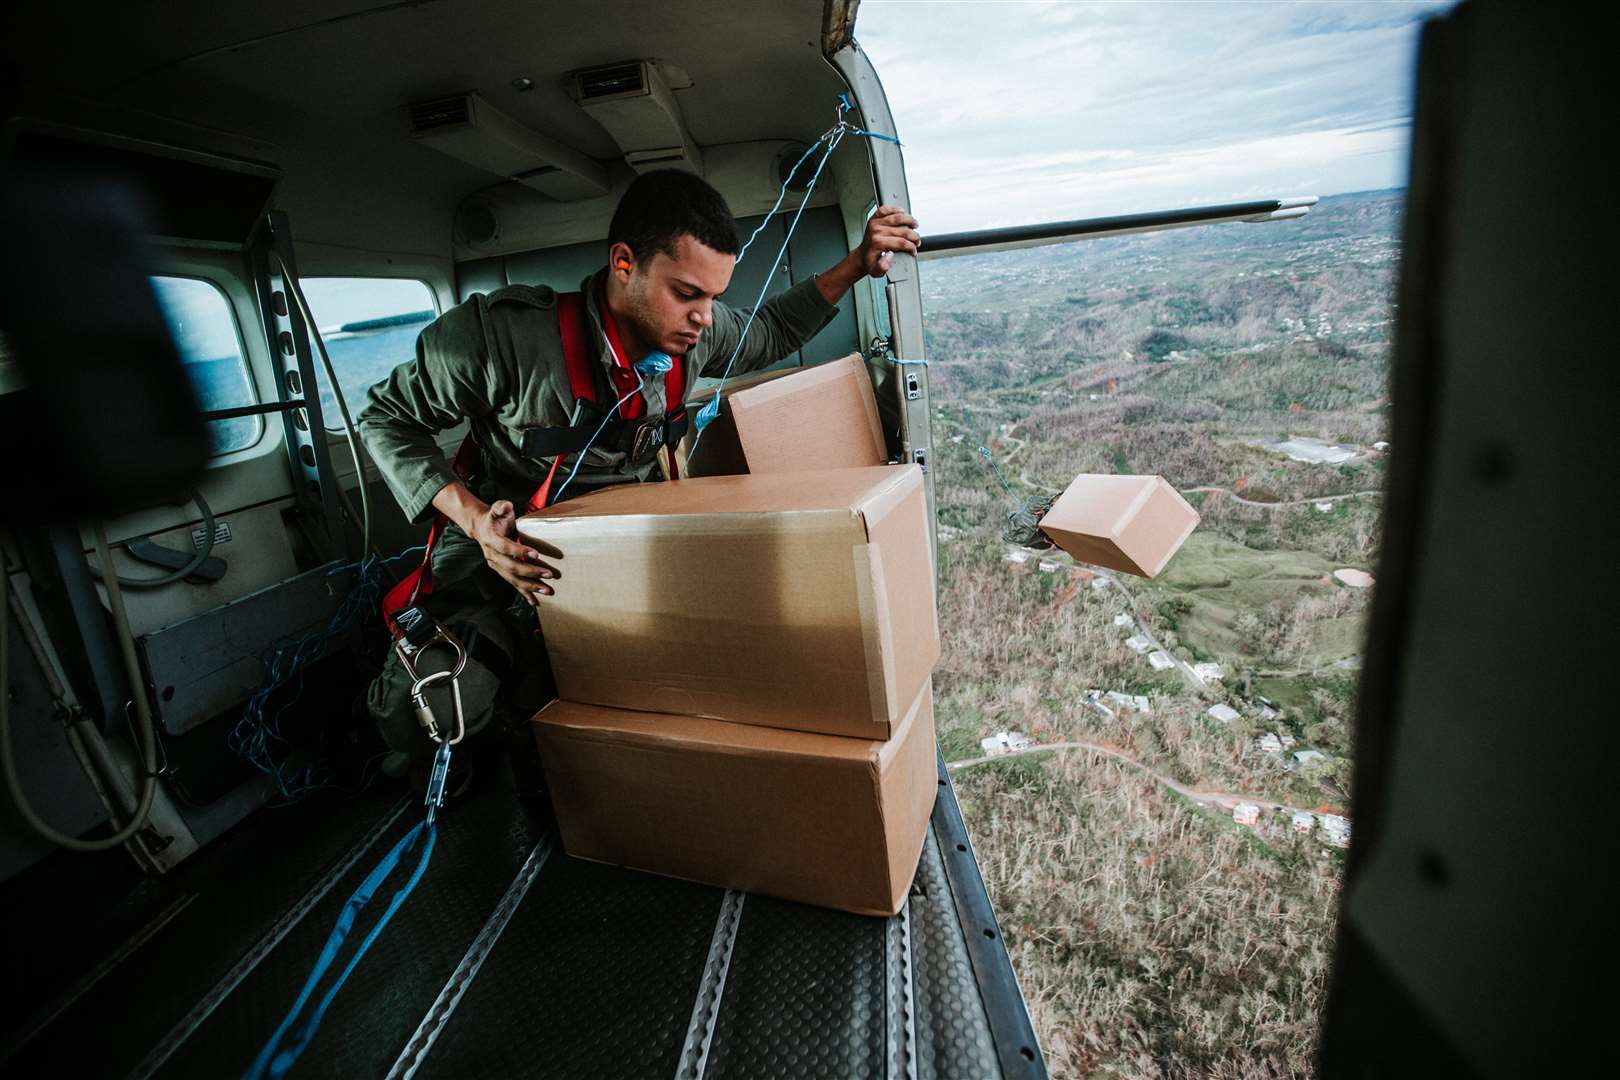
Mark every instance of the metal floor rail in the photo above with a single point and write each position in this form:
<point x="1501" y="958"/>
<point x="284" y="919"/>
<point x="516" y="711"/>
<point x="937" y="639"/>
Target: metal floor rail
<point x="512" y="959"/>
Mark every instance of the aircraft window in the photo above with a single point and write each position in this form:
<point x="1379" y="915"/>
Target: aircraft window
<point x="370" y="327"/>
<point x="204" y="330"/>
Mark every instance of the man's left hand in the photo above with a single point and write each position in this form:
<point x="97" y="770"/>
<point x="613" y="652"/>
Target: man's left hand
<point x="890" y="229"/>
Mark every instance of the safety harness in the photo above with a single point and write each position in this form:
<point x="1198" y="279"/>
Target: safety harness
<point x="621" y="426"/>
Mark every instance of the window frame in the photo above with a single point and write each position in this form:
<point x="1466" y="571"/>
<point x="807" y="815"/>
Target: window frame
<point x="243" y="354"/>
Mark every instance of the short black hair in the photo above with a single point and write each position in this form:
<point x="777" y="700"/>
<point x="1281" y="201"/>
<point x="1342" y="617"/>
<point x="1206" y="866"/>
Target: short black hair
<point x="661" y="206"/>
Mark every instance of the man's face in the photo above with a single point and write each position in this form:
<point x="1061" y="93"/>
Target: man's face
<point x="670" y="301"/>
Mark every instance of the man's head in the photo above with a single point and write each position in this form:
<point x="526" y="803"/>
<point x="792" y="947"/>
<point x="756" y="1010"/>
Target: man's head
<point x="671" y="248"/>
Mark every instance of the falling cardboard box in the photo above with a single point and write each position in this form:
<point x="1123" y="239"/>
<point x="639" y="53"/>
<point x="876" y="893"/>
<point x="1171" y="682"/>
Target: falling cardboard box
<point x="792" y="600"/>
<point x="814" y="818"/>
<point x="821" y="417"/>
<point x="1129" y="523"/>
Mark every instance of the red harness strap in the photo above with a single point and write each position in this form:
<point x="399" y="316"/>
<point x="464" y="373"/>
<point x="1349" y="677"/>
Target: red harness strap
<point x="418" y="584"/>
<point x="576" y="358"/>
<point x="572" y="323"/>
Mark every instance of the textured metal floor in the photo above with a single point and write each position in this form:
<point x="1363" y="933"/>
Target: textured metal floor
<point x="512" y="959"/>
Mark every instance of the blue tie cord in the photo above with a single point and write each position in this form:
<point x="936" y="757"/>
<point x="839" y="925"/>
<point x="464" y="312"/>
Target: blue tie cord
<point x="831" y="138"/>
<point x="706" y="415"/>
<point x="654" y="363"/>
<point x="278" y="1056"/>
<point x="256" y="736"/>
<point x="875" y="135"/>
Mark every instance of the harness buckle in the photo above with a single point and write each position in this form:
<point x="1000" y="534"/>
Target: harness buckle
<point x="646" y="441"/>
<point x="420" y="632"/>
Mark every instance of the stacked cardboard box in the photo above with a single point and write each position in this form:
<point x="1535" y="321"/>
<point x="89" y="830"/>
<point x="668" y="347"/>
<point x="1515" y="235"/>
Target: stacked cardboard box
<point x="799" y="420"/>
<point x="743" y="670"/>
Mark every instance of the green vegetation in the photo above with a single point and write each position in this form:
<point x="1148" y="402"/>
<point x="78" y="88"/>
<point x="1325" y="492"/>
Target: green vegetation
<point x="1153" y="936"/>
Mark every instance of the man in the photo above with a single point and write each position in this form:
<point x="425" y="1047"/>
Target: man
<point x="497" y="361"/>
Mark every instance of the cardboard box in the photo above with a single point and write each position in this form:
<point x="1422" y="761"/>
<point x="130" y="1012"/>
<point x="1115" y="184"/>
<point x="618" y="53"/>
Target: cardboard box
<point x="792" y="600"/>
<point x="722" y="454"/>
<point x="1128" y="523"/>
<point x="814" y="818"/>
<point x="803" y="419"/>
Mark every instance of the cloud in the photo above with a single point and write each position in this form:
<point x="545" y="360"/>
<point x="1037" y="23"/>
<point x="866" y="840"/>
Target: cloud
<point x="1021" y="189"/>
<point x="1002" y="105"/>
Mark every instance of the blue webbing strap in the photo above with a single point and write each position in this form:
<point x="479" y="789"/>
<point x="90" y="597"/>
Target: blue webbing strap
<point x="276" y="1058"/>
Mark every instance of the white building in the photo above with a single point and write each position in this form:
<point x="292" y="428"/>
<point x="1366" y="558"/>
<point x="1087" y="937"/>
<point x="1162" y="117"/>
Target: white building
<point x="1246" y="813"/>
<point x="1048" y="566"/>
<point x="1161" y="660"/>
<point x="1222" y="712"/>
<point x="1208" y="671"/>
<point x="1139" y="702"/>
<point x="1123" y="619"/>
<point x="1304" y="821"/>
<point x="1018" y="558"/>
<point x="1273" y="742"/>
<point x="1003" y="742"/>
<point x="1305" y="758"/>
<point x="1336" y="829"/>
<point x="1140" y="643"/>
<point x="1325" y="506"/>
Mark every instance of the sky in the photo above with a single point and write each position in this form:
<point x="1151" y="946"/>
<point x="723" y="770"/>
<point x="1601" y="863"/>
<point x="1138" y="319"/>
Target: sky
<point x="1021" y="111"/>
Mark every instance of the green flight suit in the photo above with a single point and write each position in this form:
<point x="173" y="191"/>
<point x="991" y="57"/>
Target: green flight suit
<point x="496" y="362"/>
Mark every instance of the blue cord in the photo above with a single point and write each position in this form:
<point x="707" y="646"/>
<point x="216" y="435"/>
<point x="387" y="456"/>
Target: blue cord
<point x="654" y="363"/>
<point x="706" y="415"/>
<point x="875" y="135"/>
<point x="256" y="737"/>
<point x="832" y="137"/>
<point x="781" y="196"/>
<point x="276" y="1059"/>
<point x="984" y="451"/>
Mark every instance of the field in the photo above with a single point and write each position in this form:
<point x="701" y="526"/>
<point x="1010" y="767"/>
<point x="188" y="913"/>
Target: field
<point x="1153" y="934"/>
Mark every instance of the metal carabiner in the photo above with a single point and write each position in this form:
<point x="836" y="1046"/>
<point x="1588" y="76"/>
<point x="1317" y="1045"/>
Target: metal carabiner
<point x="424" y="711"/>
<point x="408" y="653"/>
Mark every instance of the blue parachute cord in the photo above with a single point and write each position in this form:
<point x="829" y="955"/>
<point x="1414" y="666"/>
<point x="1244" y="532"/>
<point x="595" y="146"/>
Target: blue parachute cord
<point x="707" y="414"/>
<point x="781" y="196"/>
<point x="875" y="135"/>
<point x="654" y="363"/>
<point x="274" y="1060"/>
<point x="580" y="457"/>
<point x="984" y="451"/>
<point x="255" y="736"/>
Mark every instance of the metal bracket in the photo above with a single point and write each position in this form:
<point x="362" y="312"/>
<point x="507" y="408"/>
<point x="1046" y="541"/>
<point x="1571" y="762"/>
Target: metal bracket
<point x="314" y="482"/>
<point x="1010" y="1026"/>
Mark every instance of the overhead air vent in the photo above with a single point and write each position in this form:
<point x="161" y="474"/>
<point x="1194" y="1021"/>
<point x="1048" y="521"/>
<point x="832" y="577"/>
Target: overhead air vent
<point x="469" y="129"/>
<point x="445" y="112"/>
<point x="611" y="80"/>
<point x="632" y="100"/>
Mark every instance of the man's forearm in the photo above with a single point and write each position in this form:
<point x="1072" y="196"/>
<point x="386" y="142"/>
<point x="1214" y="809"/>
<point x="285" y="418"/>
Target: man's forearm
<point x="457" y="502"/>
<point x="841" y="278"/>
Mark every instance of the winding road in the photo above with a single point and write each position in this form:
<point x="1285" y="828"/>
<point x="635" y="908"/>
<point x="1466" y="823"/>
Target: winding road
<point x="1286" y="502"/>
<point x="1209" y="799"/>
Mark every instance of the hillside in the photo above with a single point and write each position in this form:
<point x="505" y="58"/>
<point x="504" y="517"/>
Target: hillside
<point x="1153" y="934"/>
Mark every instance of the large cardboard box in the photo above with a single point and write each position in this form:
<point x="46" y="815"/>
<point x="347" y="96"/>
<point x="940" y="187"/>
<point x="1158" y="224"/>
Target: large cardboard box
<point x="821" y="417"/>
<point x="815" y="818"/>
<point x="801" y="601"/>
<point x="1128" y="523"/>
